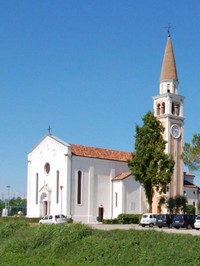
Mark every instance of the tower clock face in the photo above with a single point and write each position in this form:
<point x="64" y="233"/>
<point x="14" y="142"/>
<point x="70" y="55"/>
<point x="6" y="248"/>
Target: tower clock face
<point x="175" y="131"/>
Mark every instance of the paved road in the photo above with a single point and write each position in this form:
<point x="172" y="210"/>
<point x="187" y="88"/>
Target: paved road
<point x="138" y="227"/>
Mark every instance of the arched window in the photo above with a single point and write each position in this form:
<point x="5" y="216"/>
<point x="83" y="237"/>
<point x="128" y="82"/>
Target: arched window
<point x="158" y="109"/>
<point x="36" y="188"/>
<point x="177" y="108"/>
<point x="79" y="187"/>
<point x="163" y="108"/>
<point x="57" y="186"/>
<point x="168" y="87"/>
<point x="173" y="109"/>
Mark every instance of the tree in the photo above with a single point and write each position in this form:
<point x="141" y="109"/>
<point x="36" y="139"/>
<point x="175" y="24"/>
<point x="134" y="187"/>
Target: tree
<point x="16" y="205"/>
<point x="2" y="205"/>
<point x="161" y="202"/>
<point x="150" y="165"/>
<point x="177" y="204"/>
<point x="180" y="203"/>
<point x="190" y="209"/>
<point x="171" y="205"/>
<point x="191" y="153"/>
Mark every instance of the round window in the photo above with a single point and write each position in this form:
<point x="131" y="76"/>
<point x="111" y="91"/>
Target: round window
<point x="47" y="167"/>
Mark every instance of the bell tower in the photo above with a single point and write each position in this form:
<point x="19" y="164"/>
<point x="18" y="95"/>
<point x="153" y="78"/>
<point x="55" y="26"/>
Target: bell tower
<point x="168" y="108"/>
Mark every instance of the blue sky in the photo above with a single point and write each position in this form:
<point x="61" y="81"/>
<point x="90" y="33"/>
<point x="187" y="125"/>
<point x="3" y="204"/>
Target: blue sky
<point x="88" y="69"/>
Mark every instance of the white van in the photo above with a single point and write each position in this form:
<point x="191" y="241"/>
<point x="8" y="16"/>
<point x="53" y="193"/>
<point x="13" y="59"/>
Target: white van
<point x="148" y="219"/>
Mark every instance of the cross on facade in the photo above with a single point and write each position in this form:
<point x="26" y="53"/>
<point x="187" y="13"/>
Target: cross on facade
<point x="49" y="130"/>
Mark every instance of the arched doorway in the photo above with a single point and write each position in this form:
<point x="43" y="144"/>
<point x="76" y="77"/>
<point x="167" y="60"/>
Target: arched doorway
<point x="44" y="208"/>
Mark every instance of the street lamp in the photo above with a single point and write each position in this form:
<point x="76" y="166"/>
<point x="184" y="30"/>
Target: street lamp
<point x="61" y="187"/>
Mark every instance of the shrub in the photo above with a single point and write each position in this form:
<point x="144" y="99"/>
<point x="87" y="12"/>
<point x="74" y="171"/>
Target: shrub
<point x="9" y="228"/>
<point x="129" y="218"/>
<point x="190" y="209"/>
<point x="110" y="221"/>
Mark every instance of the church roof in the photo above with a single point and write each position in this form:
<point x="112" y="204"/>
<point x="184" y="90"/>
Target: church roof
<point x="190" y="185"/>
<point x="122" y="176"/>
<point x="92" y="152"/>
<point x="188" y="174"/>
<point x="100" y="153"/>
<point x="168" y="70"/>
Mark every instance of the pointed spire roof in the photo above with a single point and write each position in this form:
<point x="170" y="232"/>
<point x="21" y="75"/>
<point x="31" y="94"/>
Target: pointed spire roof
<point x="168" y="70"/>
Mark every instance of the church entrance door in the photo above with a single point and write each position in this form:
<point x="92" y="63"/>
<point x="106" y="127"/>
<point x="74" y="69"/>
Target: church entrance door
<point x="100" y="214"/>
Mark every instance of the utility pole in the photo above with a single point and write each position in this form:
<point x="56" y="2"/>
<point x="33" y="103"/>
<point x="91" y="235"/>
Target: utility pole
<point x="8" y="207"/>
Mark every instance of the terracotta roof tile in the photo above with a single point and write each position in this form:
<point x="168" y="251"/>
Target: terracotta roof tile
<point x="122" y="176"/>
<point x="100" y="153"/>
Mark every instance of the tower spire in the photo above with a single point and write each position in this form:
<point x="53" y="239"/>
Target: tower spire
<point x="168" y="71"/>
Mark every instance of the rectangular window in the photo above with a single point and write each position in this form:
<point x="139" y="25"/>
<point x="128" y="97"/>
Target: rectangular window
<point x="36" y="190"/>
<point x="79" y="187"/>
<point x="57" y="186"/>
<point x="116" y="199"/>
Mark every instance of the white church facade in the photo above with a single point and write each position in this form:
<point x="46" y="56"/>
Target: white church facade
<point x="81" y="182"/>
<point x="84" y="183"/>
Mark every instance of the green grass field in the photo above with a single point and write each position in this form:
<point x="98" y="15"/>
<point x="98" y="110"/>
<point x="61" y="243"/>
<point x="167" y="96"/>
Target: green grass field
<point x="77" y="244"/>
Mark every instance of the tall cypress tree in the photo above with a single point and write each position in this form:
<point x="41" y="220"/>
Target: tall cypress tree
<point x="150" y="165"/>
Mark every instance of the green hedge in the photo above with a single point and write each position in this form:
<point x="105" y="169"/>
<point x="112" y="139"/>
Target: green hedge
<point x="110" y="221"/>
<point x="129" y="218"/>
<point x="124" y="219"/>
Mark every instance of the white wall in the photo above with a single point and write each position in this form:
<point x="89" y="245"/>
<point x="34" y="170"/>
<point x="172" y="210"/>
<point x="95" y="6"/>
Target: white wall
<point x="55" y="154"/>
<point x="99" y="180"/>
<point x="192" y="196"/>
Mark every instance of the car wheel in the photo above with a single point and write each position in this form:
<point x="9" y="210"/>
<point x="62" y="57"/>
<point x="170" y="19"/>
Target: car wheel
<point x="143" y="225"/>
<point x="177" y="227"/>
<point x="150" y="225"/>
<point x="188" y="226"/>
<point x="197" y="228"/>
<point x="160" y="226"/>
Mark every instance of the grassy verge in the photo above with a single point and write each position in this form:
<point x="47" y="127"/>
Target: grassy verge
<point x="77" y="244"/>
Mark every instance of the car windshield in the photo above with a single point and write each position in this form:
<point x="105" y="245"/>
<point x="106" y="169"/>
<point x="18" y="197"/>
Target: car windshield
<point x="198" y="218"/>
<point x="178" y="217"/>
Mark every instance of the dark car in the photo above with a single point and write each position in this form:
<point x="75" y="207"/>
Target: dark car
<point x="183" y="221"/>
<point x="164" y="220"/>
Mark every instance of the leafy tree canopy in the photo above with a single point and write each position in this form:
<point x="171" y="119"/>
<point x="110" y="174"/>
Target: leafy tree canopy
<point x="191" y="153"/>
<point x="177" y="204"/>
<point x="150" y="165"/>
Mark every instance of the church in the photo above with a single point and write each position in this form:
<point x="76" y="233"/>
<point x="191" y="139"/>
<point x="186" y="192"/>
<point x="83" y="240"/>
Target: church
<point x="90" y="184"/>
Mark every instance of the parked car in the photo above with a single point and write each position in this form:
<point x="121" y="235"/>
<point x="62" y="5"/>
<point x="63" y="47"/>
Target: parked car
<point x="53" y="219"/>
<point x="164" y="220"/>
<point x="183" y="221"/>
<point x="197" y="222"/>
<point x="148" y="219"/>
